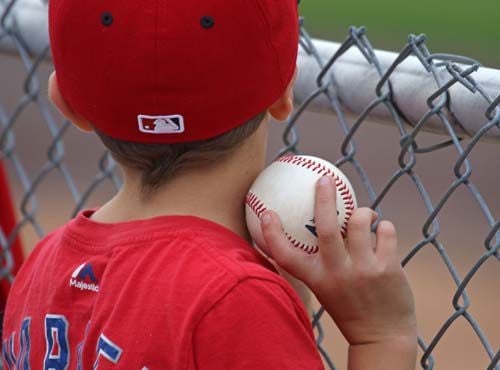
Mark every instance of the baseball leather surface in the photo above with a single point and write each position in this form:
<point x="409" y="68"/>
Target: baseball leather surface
<point x="287" y="187"/>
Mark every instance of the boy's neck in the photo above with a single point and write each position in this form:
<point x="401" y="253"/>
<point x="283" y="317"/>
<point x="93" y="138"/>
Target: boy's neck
<point x="216" y="193"/>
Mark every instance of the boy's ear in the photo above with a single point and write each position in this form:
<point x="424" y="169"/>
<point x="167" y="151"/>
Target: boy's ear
<point x="283" y="107"/>
<point x="61" y="104"/>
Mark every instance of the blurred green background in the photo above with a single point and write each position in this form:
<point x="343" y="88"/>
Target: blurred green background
<point x="470" y="28"/>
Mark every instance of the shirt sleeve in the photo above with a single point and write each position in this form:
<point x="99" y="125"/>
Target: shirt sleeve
<point x="257" y="325"/>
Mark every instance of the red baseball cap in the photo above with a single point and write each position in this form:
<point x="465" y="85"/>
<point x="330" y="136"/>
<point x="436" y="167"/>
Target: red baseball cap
<point x="168" y="71"/>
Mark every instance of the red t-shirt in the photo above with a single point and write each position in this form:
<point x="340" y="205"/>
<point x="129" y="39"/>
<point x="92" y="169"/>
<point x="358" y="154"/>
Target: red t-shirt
<point x="173" y="292"/>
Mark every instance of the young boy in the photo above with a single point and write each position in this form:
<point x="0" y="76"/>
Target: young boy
<point x="164" y="276"/>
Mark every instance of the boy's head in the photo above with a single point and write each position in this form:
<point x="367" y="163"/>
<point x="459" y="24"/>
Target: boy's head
<point x="168" y="84"/>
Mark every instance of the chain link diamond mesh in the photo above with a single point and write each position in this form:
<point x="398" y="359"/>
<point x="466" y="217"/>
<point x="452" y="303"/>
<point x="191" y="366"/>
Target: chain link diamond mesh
<point x="408" y="158"/>
<point x="446" y="70"/>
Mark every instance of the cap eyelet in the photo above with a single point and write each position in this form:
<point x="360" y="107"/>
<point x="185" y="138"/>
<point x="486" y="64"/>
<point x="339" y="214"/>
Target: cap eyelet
<point x="207" y="22"/>
<point x="107" y="19"/>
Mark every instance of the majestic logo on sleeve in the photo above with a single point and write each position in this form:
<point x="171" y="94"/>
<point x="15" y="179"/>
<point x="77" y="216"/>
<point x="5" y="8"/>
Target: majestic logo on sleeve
<point x="83" y="278"/>
<point x="158" y="125"/>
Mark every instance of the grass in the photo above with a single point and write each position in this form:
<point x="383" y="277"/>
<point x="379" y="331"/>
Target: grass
<point x="459" y="27"/>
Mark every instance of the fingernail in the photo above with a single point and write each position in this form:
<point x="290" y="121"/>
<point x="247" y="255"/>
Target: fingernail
<point x="266" y="219"/>
<point x="325" y="181"/>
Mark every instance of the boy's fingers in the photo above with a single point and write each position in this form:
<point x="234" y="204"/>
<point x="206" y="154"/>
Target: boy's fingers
<point x="387" y="242"/>
<point x="360" y="244"/>
<point x="331" y="246"/>
<point x="280" y="248"/>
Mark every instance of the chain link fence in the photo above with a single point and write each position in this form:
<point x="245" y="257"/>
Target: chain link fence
<point x="446" y="72"/>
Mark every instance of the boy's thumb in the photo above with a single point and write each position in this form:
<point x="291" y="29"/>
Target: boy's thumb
<point x="280" y="249"/>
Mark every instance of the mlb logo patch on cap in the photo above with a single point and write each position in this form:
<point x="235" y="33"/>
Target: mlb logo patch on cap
<point x="158" y="125"/>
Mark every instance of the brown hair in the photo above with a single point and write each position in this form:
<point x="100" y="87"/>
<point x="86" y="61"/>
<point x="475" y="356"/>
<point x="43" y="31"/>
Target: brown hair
<point x="158" y="163"/>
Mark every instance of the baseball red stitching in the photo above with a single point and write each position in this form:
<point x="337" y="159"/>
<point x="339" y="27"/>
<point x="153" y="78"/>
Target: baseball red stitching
<point x="322" y="170"/>
<point x="258" y="207"/>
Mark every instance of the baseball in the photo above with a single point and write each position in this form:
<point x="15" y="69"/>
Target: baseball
<point x="287" y="187"/>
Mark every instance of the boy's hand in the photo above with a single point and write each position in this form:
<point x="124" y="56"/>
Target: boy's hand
<point x="359" y="281"/>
